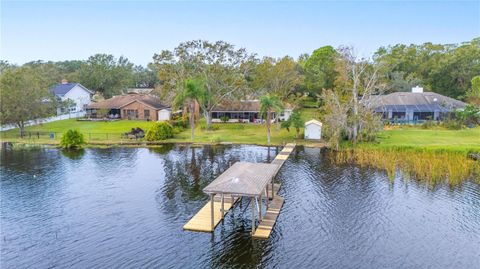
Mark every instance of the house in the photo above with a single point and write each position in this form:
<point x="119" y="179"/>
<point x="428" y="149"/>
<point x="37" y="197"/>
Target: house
<point x="132" y="106"/>
<point x="313" y="130"/>
<point x="245" y="111"/>
<point x="79" y="95"/>
<point x="414" y="106"/>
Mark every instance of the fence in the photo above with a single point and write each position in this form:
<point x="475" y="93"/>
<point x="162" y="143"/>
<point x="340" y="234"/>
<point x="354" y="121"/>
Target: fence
<point x="79" y="114"/>
<point x="58" y="135"/>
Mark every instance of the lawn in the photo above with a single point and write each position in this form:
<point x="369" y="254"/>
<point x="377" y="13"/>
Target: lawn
<point x="437" y="138"/>
<point x="110" y="132"/>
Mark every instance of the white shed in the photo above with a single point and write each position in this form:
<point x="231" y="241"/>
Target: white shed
<point x="313" y="130"/>
<point x="164" y="114"/>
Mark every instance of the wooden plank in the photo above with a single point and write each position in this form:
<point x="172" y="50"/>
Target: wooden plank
<point x="265" y="226"/>
<point x="201" y="222"/>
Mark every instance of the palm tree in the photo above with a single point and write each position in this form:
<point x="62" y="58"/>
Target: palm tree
<point x="191" y="95"/>
<point x="268" y="105"/>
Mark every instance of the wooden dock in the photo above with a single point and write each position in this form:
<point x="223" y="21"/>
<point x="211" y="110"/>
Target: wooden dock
<point x="205" y="221"/>
<point x="201" y="222"/>
<point x="265" y="227"/>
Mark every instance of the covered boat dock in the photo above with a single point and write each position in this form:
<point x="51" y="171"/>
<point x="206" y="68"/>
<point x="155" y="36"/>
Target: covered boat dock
<point x="243" y="179"/>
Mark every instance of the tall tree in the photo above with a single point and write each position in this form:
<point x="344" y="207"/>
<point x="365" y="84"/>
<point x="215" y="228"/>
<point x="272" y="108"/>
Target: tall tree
<point x="473" y="95"/>
<point x="268" y="105"/>
<point x="443" y="68"/>
<point x="221" y="67"/>
<point x="347" y="107"/>
<point x="279" y="77"/>
<point x="105" y="74"/>
<point x="145" y="77"/>
<point x="25" y="96"/>
<point x="320" y="70"/>
<point x="192" y="94"/>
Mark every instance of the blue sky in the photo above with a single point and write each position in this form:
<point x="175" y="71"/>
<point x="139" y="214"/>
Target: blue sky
<point x="61" y="30"/>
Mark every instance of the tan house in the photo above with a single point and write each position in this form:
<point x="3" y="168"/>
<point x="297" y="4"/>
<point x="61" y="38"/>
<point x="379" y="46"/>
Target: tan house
<point x="131" y="106"/>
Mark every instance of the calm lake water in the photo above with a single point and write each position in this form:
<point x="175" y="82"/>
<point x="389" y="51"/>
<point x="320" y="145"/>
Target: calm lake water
<point x="125" y="208"/>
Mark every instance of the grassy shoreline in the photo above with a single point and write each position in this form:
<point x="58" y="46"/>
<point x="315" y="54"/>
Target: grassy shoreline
<point x="109" y="134"/>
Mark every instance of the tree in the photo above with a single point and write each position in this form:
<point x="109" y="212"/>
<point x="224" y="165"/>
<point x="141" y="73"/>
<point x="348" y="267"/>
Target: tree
<point x="443" y="68"/>
<point x="278" y="77"/>
<point x="106" y="74"/>
<point x="222" y="68"/>
<point x="320" y="70"/>
<point x="473" y="95"/>
<point x="297" y="122"/>
<point x="347" y="108"/>
<point x="145" y="77"/>
<point x="25" y="96"/>
<point x="192" y="94"/>
<point x="268" y="105"/>
<point x="72" y="139"/>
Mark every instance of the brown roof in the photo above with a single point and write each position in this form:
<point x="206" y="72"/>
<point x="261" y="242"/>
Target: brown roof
<point x="241" y="106"/>
<point x="120" y="101"/>
<point x="243" y="178"/>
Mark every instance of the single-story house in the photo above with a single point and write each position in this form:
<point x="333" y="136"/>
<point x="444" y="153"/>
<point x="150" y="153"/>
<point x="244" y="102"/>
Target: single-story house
<point x="76" y="92"/>
<point x="245" y="111"/>
<point x="414" y="106"/>
<point x="132" y="106"/>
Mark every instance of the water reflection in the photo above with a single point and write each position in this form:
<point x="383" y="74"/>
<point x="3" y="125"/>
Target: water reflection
<point x="125" y="207"/>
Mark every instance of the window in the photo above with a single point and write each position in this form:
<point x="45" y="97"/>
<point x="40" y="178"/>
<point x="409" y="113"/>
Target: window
<point x="146" y="114"/>
<point x="132" y="114"/>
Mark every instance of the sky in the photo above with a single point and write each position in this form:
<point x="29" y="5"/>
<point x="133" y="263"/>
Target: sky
<point x="71" y="30"/>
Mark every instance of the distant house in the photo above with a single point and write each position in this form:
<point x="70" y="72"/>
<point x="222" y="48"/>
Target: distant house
<point x="132" y="106"/>
<point x="245" y="111"/>
<point x="414" y="106"/>
<point x="76" y="92"/>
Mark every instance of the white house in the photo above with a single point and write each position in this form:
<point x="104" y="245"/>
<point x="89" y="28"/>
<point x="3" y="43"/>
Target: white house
<point x="313" y="130"/>
<point x="76" y="92"/>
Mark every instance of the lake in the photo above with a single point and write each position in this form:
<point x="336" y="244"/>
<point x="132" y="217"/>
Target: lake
<point x="125" y="208"/>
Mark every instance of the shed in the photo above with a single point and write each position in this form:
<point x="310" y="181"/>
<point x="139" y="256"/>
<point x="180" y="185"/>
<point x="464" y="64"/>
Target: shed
<point x="164" y="114"/>
<point x="313" y="130"/>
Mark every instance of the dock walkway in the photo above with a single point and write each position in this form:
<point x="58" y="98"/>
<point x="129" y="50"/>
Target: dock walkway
<point x="206" y="220"/>
<point x="267" y="223"/>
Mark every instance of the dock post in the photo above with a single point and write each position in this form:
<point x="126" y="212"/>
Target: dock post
<point x="253" y="215"/>
<point x="273" y="191"/>
<point x="223" y="207"/>
<point x="266" y="195"/>
<point x="212" y="213"/>
<point x="260" y="208"/>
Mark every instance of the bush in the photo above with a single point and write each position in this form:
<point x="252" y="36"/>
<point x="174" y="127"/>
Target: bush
<point x="224" y="118"/>
<point x="213" y="127"/>
<point x="159" y="131"/>
<point x="452" y="124"/>
<point x="180" y="123"/>
<point x="72" y="139"/>
<point x="428" y="124"/>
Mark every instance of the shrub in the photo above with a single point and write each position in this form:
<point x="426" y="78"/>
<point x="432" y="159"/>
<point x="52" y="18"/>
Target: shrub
<point x="159" y="131"/>
<point x="428" y="124"/>
<point x="224" y="118"/>
<point x="452" y="124"/>
<point x="213" y="127"/>
<point x="470" y="115"/>
<point x="181" y="122"/>
<point x="72" y="139"/>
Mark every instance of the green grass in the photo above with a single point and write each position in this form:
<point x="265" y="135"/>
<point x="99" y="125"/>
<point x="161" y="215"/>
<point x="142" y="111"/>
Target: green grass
<point x="438" y="138"/>
<point x="409" y="137"/>
<point x="95" y="132"/>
